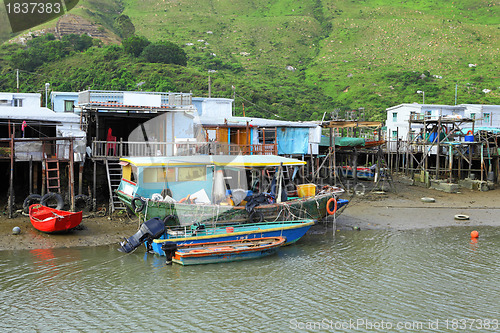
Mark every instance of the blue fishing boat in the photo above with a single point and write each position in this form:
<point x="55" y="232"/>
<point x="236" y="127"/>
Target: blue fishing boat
<point x="154" y="234"/>
<point x="291" y="230"/>
<point x="362" y="172"/>
<point x="226" y="251"/>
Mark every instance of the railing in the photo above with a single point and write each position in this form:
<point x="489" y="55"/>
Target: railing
<point x="38" y="149"/>
<point x="124" y="98"/>
<point x="105" y="149"/>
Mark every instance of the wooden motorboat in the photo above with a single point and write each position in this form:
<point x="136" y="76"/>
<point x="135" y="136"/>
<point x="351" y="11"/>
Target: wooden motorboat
<point x="51" y="220"/>
<point x="226" y="251"/>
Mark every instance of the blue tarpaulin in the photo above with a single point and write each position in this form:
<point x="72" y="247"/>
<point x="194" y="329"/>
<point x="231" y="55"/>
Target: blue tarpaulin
<point x="293" y="140"/>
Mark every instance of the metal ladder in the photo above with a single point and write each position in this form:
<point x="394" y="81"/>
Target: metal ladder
<point x="114" y="174"/>
<point x="53" y="175"/>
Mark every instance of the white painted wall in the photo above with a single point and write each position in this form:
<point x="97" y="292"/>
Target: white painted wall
<point x="213" y="107"/>
<point x="28" y="100"/>
<point x="399" y="115"/>
<point x="485" y="115"/>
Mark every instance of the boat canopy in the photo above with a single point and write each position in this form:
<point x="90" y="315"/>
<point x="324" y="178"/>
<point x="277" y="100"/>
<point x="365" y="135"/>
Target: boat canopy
<point x="241" y="161"/>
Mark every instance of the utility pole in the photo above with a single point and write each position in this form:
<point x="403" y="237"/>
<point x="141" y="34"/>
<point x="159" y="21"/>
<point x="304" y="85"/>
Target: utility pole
<point x="47" y="94"/>
<point x="209" y="87"/>
<point x="234" y="100"/>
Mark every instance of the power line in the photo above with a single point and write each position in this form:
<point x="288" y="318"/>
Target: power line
<point x="246" y="100"/>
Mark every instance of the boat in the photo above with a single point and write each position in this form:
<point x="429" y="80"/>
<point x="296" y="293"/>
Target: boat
<point x="50" y="220"/>
<point x="220" y="189"/>
<point x="154" y="233"/>
<point x="226" y="251"/>
<point x="362" y="172"/>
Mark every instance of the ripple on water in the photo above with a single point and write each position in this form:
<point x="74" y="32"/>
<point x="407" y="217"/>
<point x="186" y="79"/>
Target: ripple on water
<point x="377" y="275"/>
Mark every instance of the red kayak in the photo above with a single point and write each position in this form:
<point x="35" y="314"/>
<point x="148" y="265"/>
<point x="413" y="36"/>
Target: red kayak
<point x="49" y="220"/>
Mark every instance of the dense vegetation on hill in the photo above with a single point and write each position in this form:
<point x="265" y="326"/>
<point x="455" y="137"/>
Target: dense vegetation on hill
<point x="289" y="59"/>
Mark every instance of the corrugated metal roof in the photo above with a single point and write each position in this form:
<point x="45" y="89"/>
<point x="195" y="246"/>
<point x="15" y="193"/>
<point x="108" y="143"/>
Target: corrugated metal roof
<point x="39" y="114"/>
<point x="258" y="122"/>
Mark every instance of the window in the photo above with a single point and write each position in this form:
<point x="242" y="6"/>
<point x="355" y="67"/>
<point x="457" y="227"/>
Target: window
<point x="472" y="116"/>
<point x="428" y="113"/>
<point x="269" y="134"/>
<point x="394" y="134"/>
<point x="17" y="102"/>
<point x="153" y="175"/>
<point x="394" y="117"/>
<point x="68" y="106"/>
<point x="486" y="118"/>
<point x="192" y="174"/>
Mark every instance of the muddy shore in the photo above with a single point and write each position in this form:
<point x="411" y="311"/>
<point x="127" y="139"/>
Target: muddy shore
<point x="93" y="231"/>
<point x="399" y="208"/>
<point x="404" y="208"/>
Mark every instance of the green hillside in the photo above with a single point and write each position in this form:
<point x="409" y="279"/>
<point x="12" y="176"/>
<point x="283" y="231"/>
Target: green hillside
<point x="299" y="59"/>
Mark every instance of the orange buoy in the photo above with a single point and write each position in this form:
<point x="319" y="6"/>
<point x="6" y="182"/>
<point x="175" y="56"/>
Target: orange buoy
<point x="474" y="234"/>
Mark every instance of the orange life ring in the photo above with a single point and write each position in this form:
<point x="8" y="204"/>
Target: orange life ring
<point x="331" y="212"/>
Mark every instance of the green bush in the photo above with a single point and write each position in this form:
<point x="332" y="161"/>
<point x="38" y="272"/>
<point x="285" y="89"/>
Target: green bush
<point x="135" y="45"/>
<point x="165" y="53"/>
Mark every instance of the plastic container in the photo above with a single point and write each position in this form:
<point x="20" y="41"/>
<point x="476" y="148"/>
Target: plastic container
<point x="306" y="190"/>
<point x="469" y="138"/>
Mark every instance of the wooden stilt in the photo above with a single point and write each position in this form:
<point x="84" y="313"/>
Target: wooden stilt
<point x="71" y="177"/>
<point x="11" y="182"/>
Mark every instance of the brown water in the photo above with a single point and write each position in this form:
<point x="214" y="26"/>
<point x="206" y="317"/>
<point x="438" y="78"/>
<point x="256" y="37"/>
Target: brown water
<point x="358" y="281"/>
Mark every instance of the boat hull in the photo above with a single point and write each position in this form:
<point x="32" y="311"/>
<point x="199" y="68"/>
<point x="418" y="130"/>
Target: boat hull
<point x="227" y="251"/>
<point x="362" y="173"/>
<point x="51" y="220"/>
<point x="291" y="230"/>
<point x="187" y="214"/>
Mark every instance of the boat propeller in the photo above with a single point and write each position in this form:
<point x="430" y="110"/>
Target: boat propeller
<point x="149" y="230"/>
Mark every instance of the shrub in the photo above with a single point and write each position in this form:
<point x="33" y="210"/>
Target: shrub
<point x="166" y="53"/>
<point x="135" y="45"/>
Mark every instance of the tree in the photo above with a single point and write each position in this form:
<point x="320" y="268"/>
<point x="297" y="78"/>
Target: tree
<point x="135" y="45"/>
<point x="79" y="43"/>
<point x="166" y="53"/>
<point x="124" y="26"/>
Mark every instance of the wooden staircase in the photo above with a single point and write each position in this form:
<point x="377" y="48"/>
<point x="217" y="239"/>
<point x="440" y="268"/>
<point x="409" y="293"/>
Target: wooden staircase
<point x="114" y="174"/>
<point x="52" y="175"/>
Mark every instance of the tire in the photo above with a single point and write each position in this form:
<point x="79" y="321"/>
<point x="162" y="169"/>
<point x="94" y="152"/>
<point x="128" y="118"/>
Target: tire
<point x="139" y="208"/>
<point x="170" y="220"/>
<point x="50" y="197"/>
<point x="82" y="202"/>
<point x="255" y="217"/>
<point x="461" y="217"/>
<point x="31" y="200"/>
<point x="427" y="199"/>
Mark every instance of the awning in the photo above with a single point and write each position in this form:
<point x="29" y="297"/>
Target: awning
<point x="250" y="161"/>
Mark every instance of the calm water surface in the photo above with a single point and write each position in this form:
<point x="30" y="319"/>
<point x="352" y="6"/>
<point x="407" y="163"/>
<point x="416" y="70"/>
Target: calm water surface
<point x="355" y="281"/>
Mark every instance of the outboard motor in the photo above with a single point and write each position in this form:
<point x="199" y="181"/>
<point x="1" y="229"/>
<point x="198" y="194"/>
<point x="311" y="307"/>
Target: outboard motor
<point x="148" y="231"/>
<point x="169" y="248"/>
